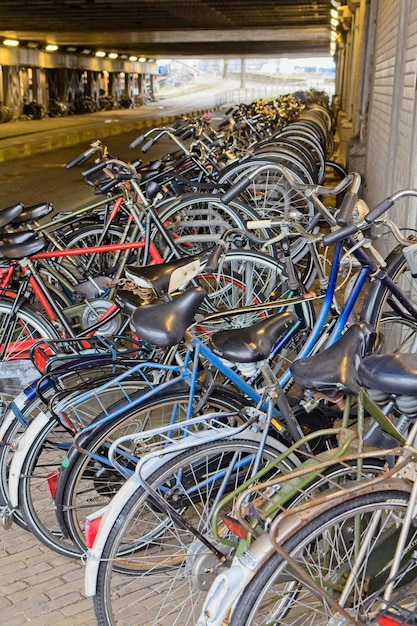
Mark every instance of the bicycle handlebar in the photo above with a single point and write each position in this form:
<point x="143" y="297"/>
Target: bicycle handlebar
<point x="308" y="190"/>
<point x="381" y="208"/>
<point x="81" y="158"/>
<point x="348" y="203"/>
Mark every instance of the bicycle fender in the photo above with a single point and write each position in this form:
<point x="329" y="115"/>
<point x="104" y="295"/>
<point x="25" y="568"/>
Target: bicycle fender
<point x="230" y="584"/>
<point x="24" y="443"/>
<point x="15" y="408"/>
<point x="109" y="516"/>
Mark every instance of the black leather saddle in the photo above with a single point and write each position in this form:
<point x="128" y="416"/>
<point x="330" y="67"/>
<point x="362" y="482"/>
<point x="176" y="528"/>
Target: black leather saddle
<point x="335" y="369"/>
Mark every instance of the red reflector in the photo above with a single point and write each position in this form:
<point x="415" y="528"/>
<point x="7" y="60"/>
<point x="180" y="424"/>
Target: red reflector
<point x="91" y="529"/>
<point x="234" y="526"/>
<point x="52" y="479"/>
<point x="389" y="620"/>
<point x="41" y="355"/>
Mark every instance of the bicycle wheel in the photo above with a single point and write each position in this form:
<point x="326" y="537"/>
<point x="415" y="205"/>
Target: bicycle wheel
<point x="196" y="221"/>
<point x="397" y="330"/>
<point x="92" y="483"/>
<point x="152" y="563"/>
<point x="326" y="548"/>
<point x="91" y="265"/>
<point x="271" y="195"/>
<point x="243" y="278"/>
<point x="22" y="411"/>
<point x="20" y="330"/>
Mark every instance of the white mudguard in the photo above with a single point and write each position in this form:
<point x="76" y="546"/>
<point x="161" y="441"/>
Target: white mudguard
<point x="24" y="443"/>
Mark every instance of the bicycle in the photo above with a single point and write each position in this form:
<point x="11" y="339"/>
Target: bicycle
<point x="158" y="536"/>
<point x="160" y="400"/>
<point x="27" y="249"/>
<point x="320" y="332"/>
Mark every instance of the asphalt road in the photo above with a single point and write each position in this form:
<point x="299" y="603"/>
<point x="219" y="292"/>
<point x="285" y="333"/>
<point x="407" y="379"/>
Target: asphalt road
<point x="44" y="178"/>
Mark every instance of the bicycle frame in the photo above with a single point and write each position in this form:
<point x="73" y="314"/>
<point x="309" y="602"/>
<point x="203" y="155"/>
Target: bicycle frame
<point x="43" y="295"/>
<point x="274" y="495"/>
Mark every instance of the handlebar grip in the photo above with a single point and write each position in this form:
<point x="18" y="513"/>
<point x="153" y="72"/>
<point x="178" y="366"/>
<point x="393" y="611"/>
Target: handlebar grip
<point x="213" y="259"/>
<point x="378" y="210"/>
<point x="107" y="186"/>
<point x="147" y="145"/>
<point x="179" y="126"/>
<point x="93" y="169"/>
<point x="235" y="189"/>
<point x="136" y="142"/>
<point x="187" y="134"/>
<point x="81" y="158"/>
<point x="255" y="224"/>
<point x="345" y="212"/>
<point x="339" y="234"/>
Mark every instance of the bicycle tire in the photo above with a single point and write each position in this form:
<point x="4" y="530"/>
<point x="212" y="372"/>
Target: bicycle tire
<point x="196" y="221"/>
<point x="397" y="331"/>
<point x="73" y="379"/>
<point x="169" y="564"/>
<point x="17" y="329"/>
<point x="266" y="597"/>
<point x="46" y="456"/>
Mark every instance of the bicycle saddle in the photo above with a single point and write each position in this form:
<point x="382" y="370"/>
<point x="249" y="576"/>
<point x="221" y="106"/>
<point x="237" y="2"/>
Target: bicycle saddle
<point x="164" y="278"/>
<point x="334" y="370"/>
<point x="254" y="343"/>
<point x="391" y="373"/>
<point x="34" y="212"/>
<point x="163" y="324"/>
<point x="10" y="213"/>
<point x="20" y="244"/>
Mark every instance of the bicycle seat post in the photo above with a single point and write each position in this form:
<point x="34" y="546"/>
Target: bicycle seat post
<point x="278" y="397"/>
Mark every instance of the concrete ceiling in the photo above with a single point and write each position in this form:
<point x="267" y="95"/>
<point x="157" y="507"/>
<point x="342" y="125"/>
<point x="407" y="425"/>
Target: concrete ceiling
<point x="169" y="28"/>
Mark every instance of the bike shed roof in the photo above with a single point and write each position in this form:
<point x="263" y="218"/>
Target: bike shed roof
<point x="165" y="28"/>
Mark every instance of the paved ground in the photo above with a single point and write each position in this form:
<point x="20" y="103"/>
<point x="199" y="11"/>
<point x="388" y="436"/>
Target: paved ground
<point x="20" y="138"/>
<point x="39" y="587"/>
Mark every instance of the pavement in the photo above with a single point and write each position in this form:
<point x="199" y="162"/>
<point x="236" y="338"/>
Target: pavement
<point x="22" y="138"/>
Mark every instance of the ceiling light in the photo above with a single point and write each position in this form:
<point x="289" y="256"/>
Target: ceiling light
<point x="142" y="59"/>
<point x="133" y="58"/>
<point x="51" y="47"/>
<point x="71" y="49"/>
<point x="10" y="42"/>
<point x="86" y="51"/>
<point x="100" y="54"/>
<point x="113" y="55"/>
<point x="334" y="22"/>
